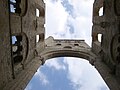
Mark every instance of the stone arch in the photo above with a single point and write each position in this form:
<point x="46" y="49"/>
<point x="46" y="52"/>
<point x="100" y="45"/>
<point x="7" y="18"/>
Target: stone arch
<point x="68" y="52"/>
<point x="67" y="49"/>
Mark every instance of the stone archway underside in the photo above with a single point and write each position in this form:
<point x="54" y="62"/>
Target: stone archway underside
<point x="48" y="53"/>
<point x="67" y="48"/>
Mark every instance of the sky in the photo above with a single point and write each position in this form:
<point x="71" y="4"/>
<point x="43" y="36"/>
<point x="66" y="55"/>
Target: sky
<point x="68" y="19"/>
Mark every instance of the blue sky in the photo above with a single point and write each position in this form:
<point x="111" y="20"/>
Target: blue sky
<point x="66" y="74"/>
<point x="69" y="19"/>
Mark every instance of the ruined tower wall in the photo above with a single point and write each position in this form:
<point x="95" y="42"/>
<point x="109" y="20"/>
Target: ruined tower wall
<point x="5" y="48"/>
<point x="108" y="49"/>
<point x="24" y="49"/>
<point x="21" y="38"/>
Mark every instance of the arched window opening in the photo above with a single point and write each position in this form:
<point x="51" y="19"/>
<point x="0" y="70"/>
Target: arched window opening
<point x="18" y="6"/>
<point x="101" y="11"/>
<point x="37" y="38"/>
<point x="37" y="12"/>
<point x="42" y="37"/>
<point x="42" y="12"/>
<point x="76" y="44"/>
<point x="58" y="44"/>
<point x="18" y="59"/>
<point x="12" y="6"/>
<point x="68" y="47"/>
<point x="15" y="6"/>
<point x="44" y="25"/>
<point x="14" y="39"/>
<point x="100" y="37"/>
<point x="17" y="48"/>
<point x="67" y="73"/>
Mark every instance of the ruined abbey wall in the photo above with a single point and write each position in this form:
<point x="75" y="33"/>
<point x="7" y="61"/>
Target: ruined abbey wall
<point x="24" y="48"/>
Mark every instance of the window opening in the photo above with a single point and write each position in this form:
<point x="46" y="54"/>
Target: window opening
<point x="44" y="25"/>
<point x="17" y="48"/>
<point x="101" y="11"/>
<point x="76" y="44"/>
<point x="14" y="39"/>
<point x="42" y="36"/>
<point x="37" y="38"/>
<point x="99" y="37"/>
<point x="18" y="58"/>
<point x="15" y="6"/>
<point x="68" y="47"/>
<point x="12" y="6"/>
<point x="58" y="44"/>
<point x="37" y="12"/>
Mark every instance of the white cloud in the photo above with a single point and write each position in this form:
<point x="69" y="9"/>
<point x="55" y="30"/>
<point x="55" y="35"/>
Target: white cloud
<point x="82" y="27"/>
<point x="42" y="77"/>
<point x="82" y="75"/>
<point x="73" y="71"/>
<point x="83" y="19"/>
<point x="54" y="64"/>
<point x="56" y="17"/>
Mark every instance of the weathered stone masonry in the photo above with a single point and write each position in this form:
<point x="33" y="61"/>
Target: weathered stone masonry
<point x="23" y="47"/>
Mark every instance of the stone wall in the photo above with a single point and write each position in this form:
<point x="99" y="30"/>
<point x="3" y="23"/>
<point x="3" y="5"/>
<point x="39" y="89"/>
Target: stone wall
<point x="108" y="25"/>
<point x="24" y="48"/>
<point x="21" y="38"/>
